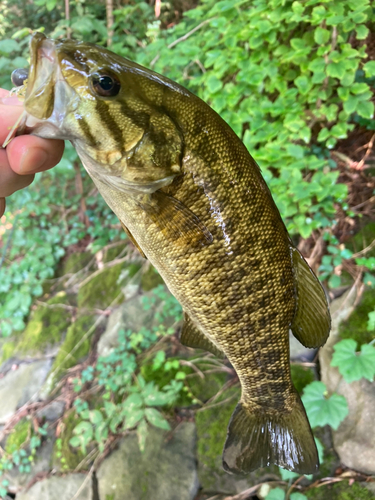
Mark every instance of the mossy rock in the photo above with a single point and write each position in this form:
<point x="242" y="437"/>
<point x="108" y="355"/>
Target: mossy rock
<point x="20" y="433"/>
<point x="74" y="263"/>
<point x="151" y="279"/>
<point x="7" y="350"/>
<point x="47" y="325"/>
<point x="113" y="252"/>
<point x="356" y="326"/>
<point x="100" y="291"/>
<point x="340" y="491"/>
<point x="301" y="376"/>
<point x="65" y="458"/>
<point x="205" y="388"/>
<point x="69" y="354"/>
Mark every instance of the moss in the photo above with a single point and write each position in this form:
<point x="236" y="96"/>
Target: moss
<point x="340" y="491"/>
<point x="66" y="357"/>
<point x="151" y="279"/>
<point x="301" y="376"/>
<point x="206" y="388"/>
<point x="356" y="326"/>
<point x="46" y="325"/>
<point x="102" y="289"/>
<point x="65" y="458"/>
<point x="19" y="434"/>
<point x="113" y="252"/>
<point x="74" y="263"/>
<point x="7" y="350"/>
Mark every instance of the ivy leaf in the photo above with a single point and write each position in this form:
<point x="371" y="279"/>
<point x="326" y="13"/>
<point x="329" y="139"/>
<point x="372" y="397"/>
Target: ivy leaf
<point x="354" y="365"/>
<point x="369" y="69"/>
<point x="362" y="32"/>
<point x="276" y="494"/>
<point x="213" y="84"/>
<point x="298" y="496"/>
<point x="321" y="409"/>
<point x="155" y="418"/>
<point x="371" y="321"/>
<point x="336" y="69"/>
<point x="366" y="109"/>
<point x="321" y="36"/>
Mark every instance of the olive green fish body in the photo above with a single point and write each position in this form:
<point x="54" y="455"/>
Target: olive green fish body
<point x="193" y="200"/>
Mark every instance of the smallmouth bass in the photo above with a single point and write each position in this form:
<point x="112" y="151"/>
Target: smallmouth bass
<point x="193" y="201"/>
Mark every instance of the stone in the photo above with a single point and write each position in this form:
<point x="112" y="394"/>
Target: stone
<point x="21" y="385"/>
<point x="52" y="411"/>
<point x="165" y="471"/>
<point x="41" y="465"/>
<point x="59" y="488"/>
<point x="131" y="315"/>
<point x="352" y="441"/>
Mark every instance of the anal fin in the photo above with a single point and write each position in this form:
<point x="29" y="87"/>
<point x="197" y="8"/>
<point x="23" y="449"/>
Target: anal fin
<point x="312" y="322"/>
<point x="132" y="239"/>
<point x="191" y="336"/>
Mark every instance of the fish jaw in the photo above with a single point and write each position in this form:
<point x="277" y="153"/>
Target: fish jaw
<point x="48" y="98"/>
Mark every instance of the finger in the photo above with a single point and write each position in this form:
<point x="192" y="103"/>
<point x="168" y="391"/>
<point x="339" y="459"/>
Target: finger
<point x="29" y="154"/>
<point x="2" y="206"/>
<point x="8" y="117"/>
<point x="9" y="180"/>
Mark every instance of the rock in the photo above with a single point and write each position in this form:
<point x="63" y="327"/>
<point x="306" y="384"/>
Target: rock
<point x="59" y="488"/>
<point x="353" y="442"/>
<point x="42" y="464"/>
<point x="131" y="315"/>
<point x="21" y="385"/>
<point x="165" y="471"/>
<point x="51" y="412"/>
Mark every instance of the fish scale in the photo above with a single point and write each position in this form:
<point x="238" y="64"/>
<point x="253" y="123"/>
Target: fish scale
<point x="194" y="202"/>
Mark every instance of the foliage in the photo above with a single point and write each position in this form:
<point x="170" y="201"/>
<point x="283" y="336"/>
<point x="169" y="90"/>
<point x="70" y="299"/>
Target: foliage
<point x="354" y="365"/>
<point x="128" y="400"/>
<point x="20" y="451"/>
<point x="323" y="409"/>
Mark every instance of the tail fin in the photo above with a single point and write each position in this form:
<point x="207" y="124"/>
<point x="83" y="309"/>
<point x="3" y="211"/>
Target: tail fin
<point x="259" y="438"/>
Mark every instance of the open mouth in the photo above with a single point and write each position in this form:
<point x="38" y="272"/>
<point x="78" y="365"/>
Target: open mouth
<point x="39" y="98"/>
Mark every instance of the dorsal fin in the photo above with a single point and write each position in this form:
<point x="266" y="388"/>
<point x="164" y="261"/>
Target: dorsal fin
<point x="312" y="321"/>
<point x="192" y="337"/>
<point x="132" y="239"/>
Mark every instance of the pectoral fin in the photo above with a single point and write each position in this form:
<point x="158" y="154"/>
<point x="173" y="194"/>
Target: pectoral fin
<point x="131" y="238"/>
<point x="192" y="337"/>
<point x="176" y="221"/>
<point x="312" y="322"/>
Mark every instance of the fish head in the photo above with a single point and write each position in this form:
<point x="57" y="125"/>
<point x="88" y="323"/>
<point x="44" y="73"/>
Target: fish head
<point x="110" y="108"/>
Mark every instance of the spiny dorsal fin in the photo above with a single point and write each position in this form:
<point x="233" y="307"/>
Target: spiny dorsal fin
<point x="176" y="221"/>
<point x="192" y="337"/>
<point x="131" y="238"/>
<point x="312" y="322"/>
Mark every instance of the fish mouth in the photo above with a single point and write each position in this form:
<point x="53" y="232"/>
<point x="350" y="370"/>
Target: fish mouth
<point x="40" y="89"/>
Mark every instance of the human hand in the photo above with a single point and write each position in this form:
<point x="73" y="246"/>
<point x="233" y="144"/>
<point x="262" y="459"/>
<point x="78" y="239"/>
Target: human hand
<point x="25" y="155"/>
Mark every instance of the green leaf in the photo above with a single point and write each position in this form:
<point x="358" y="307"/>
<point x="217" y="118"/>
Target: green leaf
<point x="336" y="69"/>
<point x="369" y="69"/>
<point x="362" y="31"/>
<point x="321" y="36"/>
<point x="371" y="321"/>
<point x="156" y="418"/>
<point x="96" y="417"/>
<point x="354" y="365"/>
<point x="369" y="280"/>
<point x="321" y="409"/>
<point x="366" y="109"/>
<point x="133" y="418"/>
<point x="298" y="496"/>
<point x="8" y="46"/>
<point x="213" y="84"/>
<point x="132" y="402"/>
<point x="142" y="431"/>
<point x="276" y="494"/>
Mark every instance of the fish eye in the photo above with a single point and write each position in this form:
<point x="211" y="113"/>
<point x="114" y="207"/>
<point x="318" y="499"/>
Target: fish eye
<point x="105" y="85"/>
<point x="19" y="76"/>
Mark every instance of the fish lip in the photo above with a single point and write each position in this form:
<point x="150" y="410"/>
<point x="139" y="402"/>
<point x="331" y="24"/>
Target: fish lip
<point x="40" y="83"/>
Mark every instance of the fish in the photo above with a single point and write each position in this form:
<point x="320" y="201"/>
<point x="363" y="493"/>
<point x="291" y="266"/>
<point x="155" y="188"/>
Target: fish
<point x="193" y="201"/>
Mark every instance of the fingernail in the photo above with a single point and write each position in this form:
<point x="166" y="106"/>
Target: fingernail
<point x="33" y="160"/>
<point x="2" y="206"/>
